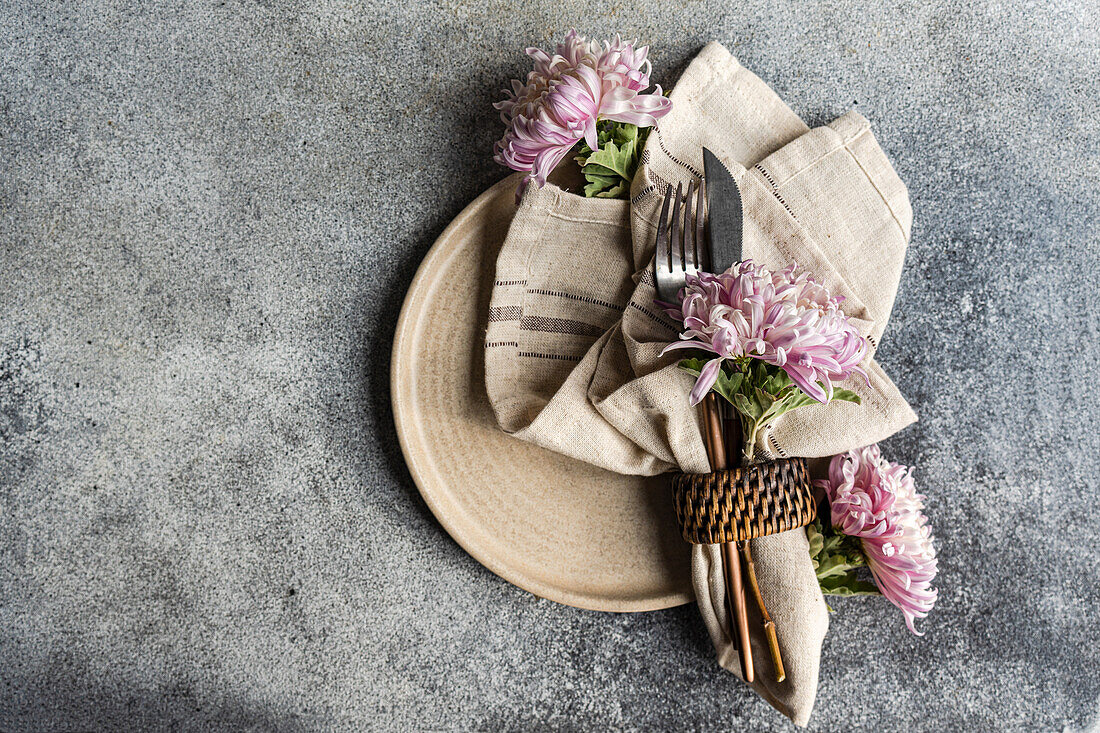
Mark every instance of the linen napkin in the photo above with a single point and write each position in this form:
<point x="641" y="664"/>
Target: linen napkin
<point x="573" y="336"/>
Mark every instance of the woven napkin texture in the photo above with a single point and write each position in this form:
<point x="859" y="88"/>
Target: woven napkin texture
<point x="573" y="336"/>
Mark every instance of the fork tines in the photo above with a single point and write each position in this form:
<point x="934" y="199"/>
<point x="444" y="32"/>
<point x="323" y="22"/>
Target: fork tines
<point x="680" y="248"/>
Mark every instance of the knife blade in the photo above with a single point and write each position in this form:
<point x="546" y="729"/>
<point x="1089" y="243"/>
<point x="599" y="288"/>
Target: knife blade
<point x="724" y="214"/>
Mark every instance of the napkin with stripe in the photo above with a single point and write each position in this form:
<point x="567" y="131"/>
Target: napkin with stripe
<point x="573" y="335"/>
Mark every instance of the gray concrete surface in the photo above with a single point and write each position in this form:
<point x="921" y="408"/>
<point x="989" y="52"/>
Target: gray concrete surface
<point x="209" y="214"/>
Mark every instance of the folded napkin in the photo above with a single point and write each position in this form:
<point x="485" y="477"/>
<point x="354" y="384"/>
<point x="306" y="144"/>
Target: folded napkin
<point x="573" y="336"/>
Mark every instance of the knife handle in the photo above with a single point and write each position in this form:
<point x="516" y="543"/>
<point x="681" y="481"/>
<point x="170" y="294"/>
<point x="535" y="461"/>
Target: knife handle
<point x="712" y="419"/>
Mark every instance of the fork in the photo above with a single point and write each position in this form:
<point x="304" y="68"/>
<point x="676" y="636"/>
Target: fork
<point x="679" y="251"/>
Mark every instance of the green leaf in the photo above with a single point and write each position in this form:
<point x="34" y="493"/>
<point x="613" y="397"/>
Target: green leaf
<point x="849" y="585"/>
<point x="601" y="190"/>
<point x="766" y="370"/>
<point x="846" y="395"/>
<point x="798" y="398"/>
<point x="693" y="365"/>
<point x="725" y="385"/>
<point x="613" y="159"/>
<point x="765" y="400"/>
<point x="776" y="382"/>
<point x="833" y="565"/>
<point x="748" y="408"/>
<point x="608" y="181"/>
<point x="832" y="542"/>
<point x="728" y="384"/>
<point x="594" y="172"/>
<point x="777" y="407"/>
<point x="817" y="542"/>
<point x="624" y="132"/>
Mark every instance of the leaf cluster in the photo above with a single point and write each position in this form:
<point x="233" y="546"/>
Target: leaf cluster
<point x="610" y="169"/>
<point x="760" y="392"/>
<point x="837" y="559"/>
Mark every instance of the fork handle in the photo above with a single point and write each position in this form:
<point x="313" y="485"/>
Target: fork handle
<point x="740" y="616"/>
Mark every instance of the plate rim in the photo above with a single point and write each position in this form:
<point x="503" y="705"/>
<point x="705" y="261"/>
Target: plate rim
<point x="400" y="384"/>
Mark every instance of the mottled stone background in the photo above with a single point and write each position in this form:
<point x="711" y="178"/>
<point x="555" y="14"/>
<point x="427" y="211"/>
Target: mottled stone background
<point x="209" y="214"/>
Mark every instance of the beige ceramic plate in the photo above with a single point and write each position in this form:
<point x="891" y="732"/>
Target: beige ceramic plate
<point x="561" y="529"/>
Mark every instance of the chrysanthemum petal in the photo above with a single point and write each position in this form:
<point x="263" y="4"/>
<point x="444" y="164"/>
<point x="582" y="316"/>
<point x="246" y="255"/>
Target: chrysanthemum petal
<point x="564" y="96"/>
<point x="783" y="318"/>
<point x="876" y="500"/>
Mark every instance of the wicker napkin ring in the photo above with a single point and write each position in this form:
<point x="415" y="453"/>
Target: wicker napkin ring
<point x="743" y="503"/>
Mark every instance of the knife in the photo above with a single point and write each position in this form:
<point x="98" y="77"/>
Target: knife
<point x="724" y="210"/>
<point x="723" y="246"/>
<point x="725" y="226"/>
<point x="722" y="241"/>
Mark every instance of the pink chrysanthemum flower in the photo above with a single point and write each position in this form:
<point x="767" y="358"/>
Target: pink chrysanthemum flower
<point x="566" y="94"/>
<point x="876" y="501"/>
<point x="783" y="318"/>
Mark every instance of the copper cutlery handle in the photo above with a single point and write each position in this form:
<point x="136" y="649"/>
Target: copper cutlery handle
<point x="731" y="563"/>
<point x="740" y="617"/>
